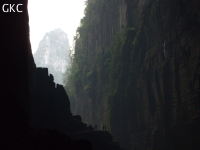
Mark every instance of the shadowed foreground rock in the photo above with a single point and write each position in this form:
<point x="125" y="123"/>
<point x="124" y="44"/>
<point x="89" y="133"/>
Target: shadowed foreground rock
<point x="29" y="97"/>
<point x="51" y="139"/>
<point x="50" y="107"/>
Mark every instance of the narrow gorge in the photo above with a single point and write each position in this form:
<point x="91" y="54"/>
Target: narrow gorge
<point x="136" y="69"/>
<point x="34" y="110"/>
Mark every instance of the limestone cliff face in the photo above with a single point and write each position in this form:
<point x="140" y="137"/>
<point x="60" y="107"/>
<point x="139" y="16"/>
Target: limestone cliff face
<point x="168" y="83"/>
<point x="53" y="53"/>
<point x="104" y="21"/>
<point x="152" y="81"/>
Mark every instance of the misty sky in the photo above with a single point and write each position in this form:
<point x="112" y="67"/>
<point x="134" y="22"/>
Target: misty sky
<point x="46" y="15"/>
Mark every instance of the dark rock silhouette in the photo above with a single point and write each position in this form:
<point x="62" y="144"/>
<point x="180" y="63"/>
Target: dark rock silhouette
<point x="28" y="95"/>
<point x="51" y="139"/>
<point x="95" y="127"/>
<point x="90" y="127"/>
<point x="199" y="80"/>
<point x="50" y="107"/>
<point x="78" y="117"/>
<point x="14" y="76"/>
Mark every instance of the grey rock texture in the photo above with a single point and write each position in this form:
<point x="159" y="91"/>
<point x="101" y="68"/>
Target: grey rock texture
<point x="155" y="81"/>
<point x="53" y="53"/>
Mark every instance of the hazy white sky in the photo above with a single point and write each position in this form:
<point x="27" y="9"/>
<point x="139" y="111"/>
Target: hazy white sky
<point x="46" y="15"/>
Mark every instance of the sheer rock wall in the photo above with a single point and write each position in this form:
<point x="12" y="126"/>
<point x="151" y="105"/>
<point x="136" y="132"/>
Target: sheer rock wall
<point x="166" y="90"/>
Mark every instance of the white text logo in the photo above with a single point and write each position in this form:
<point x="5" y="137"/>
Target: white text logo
<point x="11" y="8"/>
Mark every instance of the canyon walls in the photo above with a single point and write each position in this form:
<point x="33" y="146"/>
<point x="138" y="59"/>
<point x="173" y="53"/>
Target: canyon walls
<point x="136" y="68"/>
<point x="30" y="100"/>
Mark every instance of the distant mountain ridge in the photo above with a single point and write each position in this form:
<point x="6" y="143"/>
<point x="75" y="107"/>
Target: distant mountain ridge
<point x="53" y="53"/>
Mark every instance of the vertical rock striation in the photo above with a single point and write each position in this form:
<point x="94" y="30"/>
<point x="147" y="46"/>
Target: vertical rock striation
<point x="143" y="81"/>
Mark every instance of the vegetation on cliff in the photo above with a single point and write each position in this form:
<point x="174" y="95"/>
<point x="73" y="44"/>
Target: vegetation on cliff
<point x="117" y="67"/>
<point x="136" y="72"/>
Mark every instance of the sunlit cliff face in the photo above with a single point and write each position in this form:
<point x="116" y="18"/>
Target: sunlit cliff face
<point x="53" y="52"/>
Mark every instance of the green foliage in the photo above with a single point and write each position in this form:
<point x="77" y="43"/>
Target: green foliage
<point x="81" y="75"/>
<point x="118" y="68"/>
